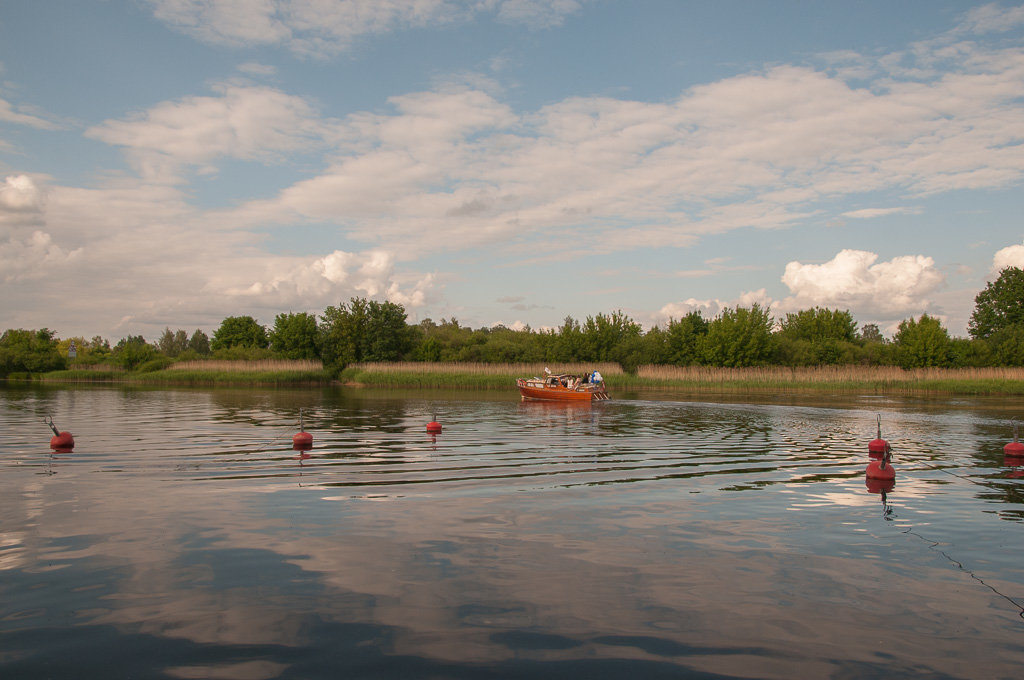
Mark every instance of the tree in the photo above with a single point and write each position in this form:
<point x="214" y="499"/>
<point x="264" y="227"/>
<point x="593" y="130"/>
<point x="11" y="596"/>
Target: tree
<point x="1000" y="305"/>
<point x="172" y="344"/>
<point x="29" y="352"/>
<point x="870" y="332"/>
<point x="133" y="350"/>
<point x="605" y="336"/>
<point x="740" y="337"/>
<point x="294" y="336"/>
<point x="922" y="343"/>
<point x="812" y="337"/>
<point x="239" y="331"/>
<point x="199" y="343"/>
<point x="1007" y="345"/>
<point x="684" y="339"/>
<point x="364" y="330"/>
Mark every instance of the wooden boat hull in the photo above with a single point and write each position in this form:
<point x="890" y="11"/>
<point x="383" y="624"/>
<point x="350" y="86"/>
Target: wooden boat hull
<point x="540" y="391"/>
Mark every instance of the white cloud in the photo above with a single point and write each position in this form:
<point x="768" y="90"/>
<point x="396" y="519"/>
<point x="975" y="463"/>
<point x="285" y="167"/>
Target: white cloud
<point x="591" y="175"/>
<point x="1010" y="256"/>
<point x="34" y="257"/>
<point x="871" y="213"/>
<point x="252" y="123"/>
<point x="326" y="280"/>
<point x="25" y="116"/>
<point x="21" y="200"/>
<point x="852" y="280"/>
<point x="992" y="18"/>
<point x="324" y="27"/>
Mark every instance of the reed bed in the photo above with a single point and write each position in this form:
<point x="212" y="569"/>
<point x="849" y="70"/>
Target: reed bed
<point x="258" y="366"/>
<point x="524" y="370"/>
<point x="462" y="375"/>
<point x="876" y="379"/>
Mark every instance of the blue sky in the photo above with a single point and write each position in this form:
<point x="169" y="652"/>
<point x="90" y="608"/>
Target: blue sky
<point x="169" y="163"/>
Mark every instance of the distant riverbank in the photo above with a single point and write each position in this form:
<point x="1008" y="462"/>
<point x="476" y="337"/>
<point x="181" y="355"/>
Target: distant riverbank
<point x="691" y="379"/>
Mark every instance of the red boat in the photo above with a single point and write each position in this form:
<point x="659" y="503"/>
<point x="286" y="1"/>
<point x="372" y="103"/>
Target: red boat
<point x="563" y="388"/>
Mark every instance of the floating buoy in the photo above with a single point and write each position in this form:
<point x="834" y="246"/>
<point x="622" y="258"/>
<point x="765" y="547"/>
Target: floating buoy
<point x="302" y="441"/>
<point x="882" y="486"/>
<point x="878" y="447"/>
<point x="60" y="441"/>
<point x="1014" y="448"/>
<point x="881" y="469"/>
<point x="433" y="426"/>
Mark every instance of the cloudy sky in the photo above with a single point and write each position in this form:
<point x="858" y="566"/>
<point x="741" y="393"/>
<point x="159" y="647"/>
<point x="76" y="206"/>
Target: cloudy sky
<point x="169" y="163"/>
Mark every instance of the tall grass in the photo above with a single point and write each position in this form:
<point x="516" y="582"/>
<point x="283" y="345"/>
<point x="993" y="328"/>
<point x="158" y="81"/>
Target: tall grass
<point x="466" y="375"/>
<point x="878" y="379"/>
<point x="260" y="365"/>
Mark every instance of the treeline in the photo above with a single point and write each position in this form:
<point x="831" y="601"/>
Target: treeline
<point x="364" y="330"/>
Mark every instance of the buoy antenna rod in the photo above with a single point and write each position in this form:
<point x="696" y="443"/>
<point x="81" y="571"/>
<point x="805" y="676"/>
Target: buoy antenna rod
<point x="49" y="421"/>
<point x="879" y="416"/>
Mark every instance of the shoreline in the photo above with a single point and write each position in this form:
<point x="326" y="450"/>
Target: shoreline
<point x="692" y="380"/>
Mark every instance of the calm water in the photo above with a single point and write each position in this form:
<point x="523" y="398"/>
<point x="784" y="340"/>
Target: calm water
<point x="638" y="538"/>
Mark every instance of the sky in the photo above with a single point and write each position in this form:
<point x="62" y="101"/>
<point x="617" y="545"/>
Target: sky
<point x="171" y="163"/>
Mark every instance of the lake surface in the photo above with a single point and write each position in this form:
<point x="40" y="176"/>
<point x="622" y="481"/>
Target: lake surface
<point x="645" y="537"/>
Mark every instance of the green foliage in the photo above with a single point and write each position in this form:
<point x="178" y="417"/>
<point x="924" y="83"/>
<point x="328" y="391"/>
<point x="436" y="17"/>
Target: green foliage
<point x="172" y="344"/>
<point x="364" y="330"/>
<point x="23" y="351"/>
<point x="740" y="337"/>
<point x="815" y="337"/>
<point x="295" y="336"/>
<point x="971" y="353"/>
<point x="87" y="352"/>
<point x="155" y="364"/>
<point x="922" y="343"/>
<point x="199" y="343"/>
<point x="684" y="339"/>
<point x="133" y="351"/>
<point x="605" y="335"/>
<point x="1007" y="345"/>
<point x="870" y="332"/>
<point x="1000" y="305"/>
<point x="818" y="325"/>
<point x="239" y="331"/>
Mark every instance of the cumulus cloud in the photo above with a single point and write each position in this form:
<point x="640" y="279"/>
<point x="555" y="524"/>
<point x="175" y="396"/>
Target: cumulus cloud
<point x="324" y="27"/>
<point x="335" y="277"/>
<point x="21" y="200"/>
<point x="1010" y="256"/>
<point x="854" y="280"/>
<point x="34" y="257"/>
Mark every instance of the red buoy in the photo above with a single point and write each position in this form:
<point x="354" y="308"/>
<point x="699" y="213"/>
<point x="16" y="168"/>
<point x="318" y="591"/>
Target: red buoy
<point x="433" y="426"/>
<point x="302" y="441"/>
<point x="878" y="447"/>
<point x="1014" y="448"/>
<point x="881" y="469"/>
<point x="62" y="441"/>
<point x="879" y="485"/>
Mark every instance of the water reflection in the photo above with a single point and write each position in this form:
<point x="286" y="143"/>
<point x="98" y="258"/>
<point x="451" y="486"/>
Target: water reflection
<point x="185" y="537"/>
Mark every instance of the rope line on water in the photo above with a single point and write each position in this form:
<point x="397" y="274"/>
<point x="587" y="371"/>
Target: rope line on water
<point x="961" y="567"/>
